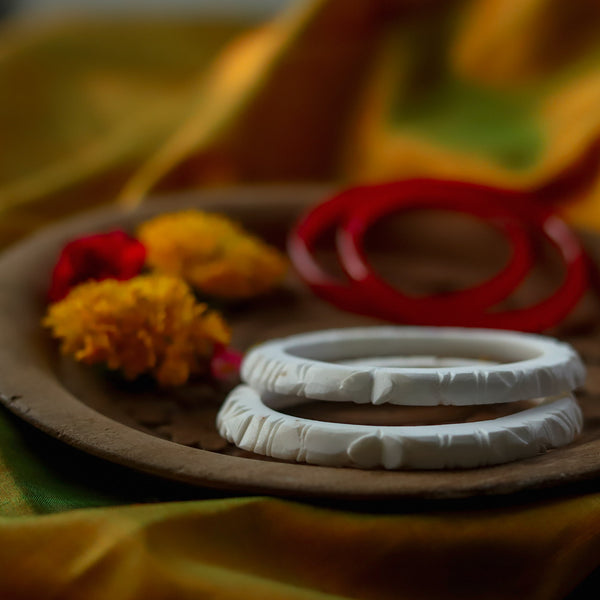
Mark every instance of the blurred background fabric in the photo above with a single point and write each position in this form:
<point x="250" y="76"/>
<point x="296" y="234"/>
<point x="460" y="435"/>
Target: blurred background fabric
<point x="492" y="91"/>
<point x="100" y="109"/>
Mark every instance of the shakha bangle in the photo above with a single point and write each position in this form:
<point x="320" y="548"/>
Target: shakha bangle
<point x="249" y="423"/>
<point x="311" y="365"/>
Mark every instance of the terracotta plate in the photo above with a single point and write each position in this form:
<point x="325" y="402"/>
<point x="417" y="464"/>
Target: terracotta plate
<point x="172" y="434"/>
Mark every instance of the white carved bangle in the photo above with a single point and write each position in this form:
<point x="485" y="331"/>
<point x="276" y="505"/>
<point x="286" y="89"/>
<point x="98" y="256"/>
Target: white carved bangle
<point x="524" y="366"/>
<point x="248" y="423"/>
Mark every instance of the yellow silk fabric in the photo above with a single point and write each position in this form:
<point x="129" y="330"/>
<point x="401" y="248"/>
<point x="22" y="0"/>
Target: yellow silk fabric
<point x="83" y="104"/>
<point x="494" y="91"/>
<point x="271" y="549"/>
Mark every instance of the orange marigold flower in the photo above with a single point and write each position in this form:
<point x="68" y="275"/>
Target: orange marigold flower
<point x="148" y="324"/>
<point x="213" y="254"/>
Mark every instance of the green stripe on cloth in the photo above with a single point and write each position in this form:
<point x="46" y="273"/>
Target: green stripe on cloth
<point x="461" y="115"/>
<point x="431" y="101"/>
<point x="12" y="502"/>
<point x="46" y="477"/>
<point x="39" y="474"/>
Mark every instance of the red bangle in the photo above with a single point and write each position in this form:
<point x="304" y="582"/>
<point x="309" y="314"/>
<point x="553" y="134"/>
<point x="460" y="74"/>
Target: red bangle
<point x="430" y="194"/>
<point x="438" y="195"/>
<point x="301" y="241"/>
<point x="464" y="307"/>
<point x="509" y="211"/>
<point x="553" y="309"/>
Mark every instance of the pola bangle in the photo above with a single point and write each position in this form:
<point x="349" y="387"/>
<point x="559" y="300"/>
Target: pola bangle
<point x="461" y="308"/>
<point x="300" y="246"/>
<point x="478" y="201"/>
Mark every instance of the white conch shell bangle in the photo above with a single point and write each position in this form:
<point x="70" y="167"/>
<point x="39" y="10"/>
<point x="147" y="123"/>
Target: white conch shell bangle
<point x="246" y="421"/>
<point x="311" y="365"/>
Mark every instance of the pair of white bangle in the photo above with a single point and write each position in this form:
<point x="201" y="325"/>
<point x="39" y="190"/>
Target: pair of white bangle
<point x="372" y="365"/>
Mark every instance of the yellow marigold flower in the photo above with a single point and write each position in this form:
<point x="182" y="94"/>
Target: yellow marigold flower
<point x="213" y="254"/>
<point x="148" y="324"/>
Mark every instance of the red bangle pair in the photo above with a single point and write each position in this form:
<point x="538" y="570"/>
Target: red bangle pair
<point x="514" y="214"/>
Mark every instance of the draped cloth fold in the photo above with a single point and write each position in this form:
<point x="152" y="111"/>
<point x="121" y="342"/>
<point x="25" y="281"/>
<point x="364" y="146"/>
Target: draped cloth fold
<point x="493" y="91"/>
<point x="266" y="548"/>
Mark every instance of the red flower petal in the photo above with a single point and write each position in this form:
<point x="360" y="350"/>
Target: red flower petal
<point x="225" y="363"/>
<point x="113" y="255"/>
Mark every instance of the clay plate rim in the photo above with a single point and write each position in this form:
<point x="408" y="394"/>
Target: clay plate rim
<point x="31" y="389"/>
